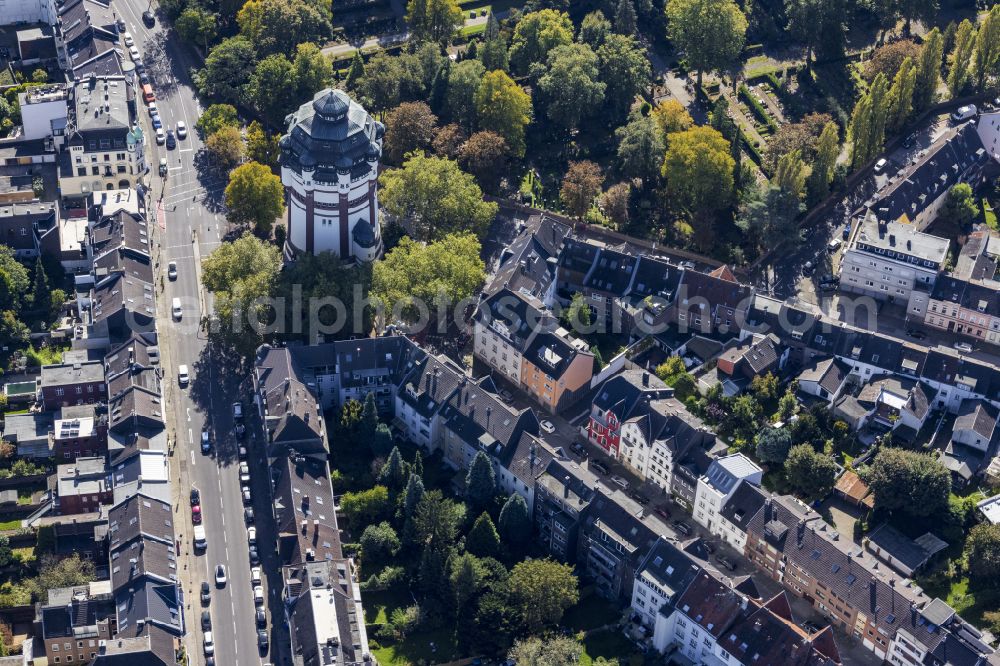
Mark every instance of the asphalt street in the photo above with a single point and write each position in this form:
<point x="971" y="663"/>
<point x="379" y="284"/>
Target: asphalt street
<point x="187" y="209"/>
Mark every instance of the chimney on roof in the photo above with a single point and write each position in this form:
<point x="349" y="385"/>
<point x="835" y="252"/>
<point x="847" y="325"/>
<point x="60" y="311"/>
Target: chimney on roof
<point x="315" y="525"/>
<point x="566" y="487"/>
<point x="645" y="379"/>
<point x="892" y="240"/>
<point x="305" y="525"/>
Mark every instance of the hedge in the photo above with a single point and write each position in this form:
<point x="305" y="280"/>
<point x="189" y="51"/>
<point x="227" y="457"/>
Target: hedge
<point x="758" y="109"/>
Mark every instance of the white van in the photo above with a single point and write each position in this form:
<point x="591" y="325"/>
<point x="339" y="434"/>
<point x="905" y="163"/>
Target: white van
<point x="176" y="309"/>
<point x="182" y="375"/>
<point x="964" y="113"/>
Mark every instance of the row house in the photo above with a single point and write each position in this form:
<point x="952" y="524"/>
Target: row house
<point x="528" y="264"/>
<point x="894" y="402"/>
<point x="30" y="229"/>
<point x="614" y="403"/>
<point x="64" y="384"/>
<point x="80" y="431"/>
<point x="825" y="379"/>
<point x="82" y="486"/>
<point x="755" y="357"/>
<point x="970" y="308"/>
<point x="515" y="335"/>
<point x="718" y="485"/>
<point x="791" y="544"/>
<point x="713" y="302"/>
<point x="75" y="621"/>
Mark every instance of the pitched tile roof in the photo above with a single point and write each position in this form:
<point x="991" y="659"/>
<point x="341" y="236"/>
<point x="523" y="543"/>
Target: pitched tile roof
<point x="977" y="416"/>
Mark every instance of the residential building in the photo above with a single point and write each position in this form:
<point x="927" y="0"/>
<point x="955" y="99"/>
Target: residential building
<point x="893" y="261"/>
<point x="515" y="335"/>
<point x="759" y="355"/>
<point x="718" y="485"/>
<point x="975" y="425"/>
<point x="895" y="402"/>
<point x="28" y="171"/>
<point x="82" y="486"/>
<point x="713" y="302"/>
<point x="87" y="39"/>
<point x="80" y="431"/>
<point x="329" y="167"/>
<point x="64" y="384"/>
<point x="144" y="472"/>
<point x="104" y="146"/>
<point x="968" y="307"/>
<point x="30" y="433"/>
<point x="75" y="621"/>
<point x="30" y="229"/>
<point x="665" y="572"/>
<point x="324" y="614"/>
<point x="45" y="113"/>
<point x="134" y="391"/>
<point x="562" y="493"/>
<point x="905" y="555"/>
<point x="16" y="12"/>
<point x="614" y="402"/>
<point x="825" y="379"/>
<point x="743" y="503"/>
<point x="528" y="264"/>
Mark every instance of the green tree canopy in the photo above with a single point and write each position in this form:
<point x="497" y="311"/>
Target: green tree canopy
<point x="698" y="167"/>
<point x="272" y="88"/>
<point x="624" y="69"/>
<point x="379" y="542"/>
<point x="580" y="186"/>
<point x="485" y="156"/>
<point x="594" y="28"/>
<point x="313" y="71"/>
<point x="571" y="89"/>
<point x="463" y="83"/>
<point x="480" y="482"/>
<point x="227" y="70"/>
<point x="410" y="126"/>
<point x="503" y="107"/>
<point x="536" y="34"/>
<point x="437" y="519"/>
<point x="641" y="148"/>
<point x="983" y="548"/>
<point x="437" y="197"/>
<point x="961" y="58"/>
<point x="493" y="52"/>
<point x="907" y="481"/>
<point x="365" y="507"/>
<point x="411" y="270"/>
<point x="278" y="26"/>
<point x="198" y="25"/>
<point x="928" y="70"/>
<point x="215" y="118"/>
<point x="987" y="59"/>
<point x="541" y="591"/>
<point x="255" y="195"/>
<point x="960" y="205"/>
<point x="483" y="540"/>
<point x="433" y="20"/>
<point x="811" y="473"/>
<point x="515" y="523"/>
<point x="773" y="445"/>
<point x="711" y="33"/>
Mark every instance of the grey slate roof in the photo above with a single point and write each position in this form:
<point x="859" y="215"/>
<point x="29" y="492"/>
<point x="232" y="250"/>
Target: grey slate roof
<point x="978" y="416"/>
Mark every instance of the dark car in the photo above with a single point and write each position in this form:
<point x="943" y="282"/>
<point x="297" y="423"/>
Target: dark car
<point x="662" y="511"/>
<point x="709" y="546"/>
<point x="248" y="515"/>
<point x="148" y="18"/>
<point x="726" y="562"/>
<point x="829" y="279"/>
<point x="206" y="621"/>
<point x="254" y="556"/>
<point x="171" y="140"/>
<point x="915" y="334"/>
<point x="639" y="497"/>
<point x="847" y="232"/>
<point x="598" y="466"/>
<point x="682" y="527"/>
<point x="195" y="496"/>
<point x="206" y="593"/>
<point x="262" y="640"/>
<point x="811" y="627"/>
<point x="240" y="430"/>
<point x="908" y="142"/>
<point x="578" y="449"/>
<point x="143" y="78"/>
<point x="261" y="618"/>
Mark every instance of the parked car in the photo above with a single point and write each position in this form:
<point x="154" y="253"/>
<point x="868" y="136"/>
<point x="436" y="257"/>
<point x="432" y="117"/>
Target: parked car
<point x="261" y="618"/>
<point x="506" y="395"/>
<point x="909" y="141"/>
<point x="127" y="39"/>
<point x="242" y="453"/>
<point x="916" y="334"/>
<point x="808" y="268"/>
<point x="709" y="546"/>
<point x="963" y="113"/>
<point x="255" y="576"/>
<point x="220" y="575"/>
<point x="963" y="347"/>
<point x="206" y="620"/>
<point x="196" y="514"/>
<point x="258" y="595"/>
<point x="248" y="515"/>
<point x="598" y="466"/>
<point x="148" y="18"/>
<point x="240" y="430"/>
<point x="639" y="497"/>
<point x="847" y="231"/>
<point x="682" y="527"/>
<point x="206" y="593"/>
<point x="834" y="245"/>
<point x="195" y="496"/>
<point x="725" y="562"/>
<point x="209" y="643"/>
<point x="620" y="481"/>
<point x="246" y="495"/>
<point x="880" y="165"/>
<point x="182" y="375"/>
<point x="237" y="411"/>
<point x="206" y="442"/>
<point x="244" y="472"/>
<point x="547" y="426"/>
<point x="662" y="512"/>
<point x="262" y="640"/>
<point x="578" y="449"/>
<point x="133" y="52"/>
<point x="160" y="136"/>
<point x="811" y="627"/>
<point x="252" y="535"/>
<point x="254" y="556"/>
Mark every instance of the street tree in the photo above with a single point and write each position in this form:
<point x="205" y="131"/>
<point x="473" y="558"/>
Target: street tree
<point x="698" y="167"/>
<point x="434" y="20"/>
<point x="493" y="52"/>
<point x="536" y="34"/>
<point x="227" y="70"/>
<point x="711" y="33"/>
<point x="262" y="146"/>
<point x="594" y="29"/>
<point x="485" y="156"/>
<point x="961" y="58"/>
<point x="907" y="481"/>
<point x="272" y="88"/>
<point x="215" y="118"/>
<point x="624" y="69"/>
<point x="671" y="116"/>
<point x="436" y="197"/>
<point x="503" y="107"/>
<point x="571" y="90"/>
<point x="773" y="445"/>
<point x="641" y="149"/>
<point x="928" y="70"/>
<point x="255" y="195"/>
<point x="278" y="26"/>
<point x="827" y="151"/>
<point x="463" y="83"/>
<point x="987" y="59"/>
<point x="541" y="591"/>
<point x="483" y="540"/>
<point x="580" y="186"/>
<point x="626" y="22"/>
<point x="480" y="482"/>
<point x="449" y="268"/>
<point x="514" y="523"/>
<point x="242" y="274"/>
<point x="197" y="25"/>
<point x="409" y="127"/>
<point x="810" y="472"/>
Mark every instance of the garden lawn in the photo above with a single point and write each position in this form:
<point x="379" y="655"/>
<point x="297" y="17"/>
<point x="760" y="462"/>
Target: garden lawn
<point x="590" y="613"/>
<point x="10" y="524"/>
<point x="608" y="644"/>
<point x="971" y="602"/>
<point x="416" y="649"/>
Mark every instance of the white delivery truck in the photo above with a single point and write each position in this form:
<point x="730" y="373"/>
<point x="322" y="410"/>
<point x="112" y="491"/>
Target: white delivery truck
<point x="200" y="541"/>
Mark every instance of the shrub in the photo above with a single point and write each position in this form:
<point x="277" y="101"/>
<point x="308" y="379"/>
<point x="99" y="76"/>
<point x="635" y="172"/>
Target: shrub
<point x="757" y="108"/>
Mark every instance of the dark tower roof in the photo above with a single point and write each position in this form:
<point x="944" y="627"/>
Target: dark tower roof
<point x="329" y="134"/>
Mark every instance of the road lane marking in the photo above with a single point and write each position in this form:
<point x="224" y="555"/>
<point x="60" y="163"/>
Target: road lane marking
<point x="186" y="150"/>
<point x="192" y="458"/>
<point x="189" y="414"/>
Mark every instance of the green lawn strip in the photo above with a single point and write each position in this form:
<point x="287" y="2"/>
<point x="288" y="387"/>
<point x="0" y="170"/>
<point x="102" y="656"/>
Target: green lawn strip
<point x="416" y="649"/>
<point x="590" y="613"/>
<point x="10" y="524"/>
